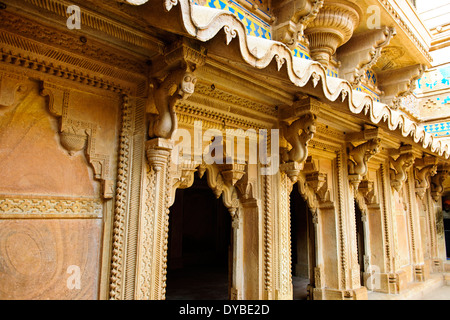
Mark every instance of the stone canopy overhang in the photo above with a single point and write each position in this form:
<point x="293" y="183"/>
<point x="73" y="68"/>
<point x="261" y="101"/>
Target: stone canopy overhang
<point x="204" y="24"/>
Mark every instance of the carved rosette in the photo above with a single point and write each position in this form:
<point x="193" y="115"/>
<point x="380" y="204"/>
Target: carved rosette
<point x="333" y="26"/>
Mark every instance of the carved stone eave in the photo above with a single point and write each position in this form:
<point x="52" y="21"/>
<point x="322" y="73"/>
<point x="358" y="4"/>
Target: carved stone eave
<point x="361" y="52"/>
<point x="398" y="83"/>
<point x="205" y="24"/>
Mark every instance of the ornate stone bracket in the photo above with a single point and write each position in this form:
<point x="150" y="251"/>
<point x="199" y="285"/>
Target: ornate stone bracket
<point x="437" y="182"/>
<point x="333" y="26"/>
<point x="366" y="188"/>
<point x="361" y="52"/>
<point x="76" y="135"/>
<point x="316" y="180"/>
<point x="424" y="169"/>
<point x="398" y="167"/>
<point x="361" y="154"/>
<point x="399" y="83"/>
<point x="304" y="112"/>
<point x="293" y="17"/>
<point x="173" y="79"/>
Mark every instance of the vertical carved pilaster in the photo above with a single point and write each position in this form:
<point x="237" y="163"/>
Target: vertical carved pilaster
<point x="386" y="218"/>
<point x="121" y="204"/>
<point x="284" y="239"/>
<point x="342" y="245"/>
<point x="152" y="254"/>
<point x="268" y="237"/>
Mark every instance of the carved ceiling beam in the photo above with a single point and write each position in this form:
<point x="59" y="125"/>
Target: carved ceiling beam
<point x="398" y="83"/>
<point x="333" y="26"/>
<point x="361" y="52"/>
<point x="292" y="17"/>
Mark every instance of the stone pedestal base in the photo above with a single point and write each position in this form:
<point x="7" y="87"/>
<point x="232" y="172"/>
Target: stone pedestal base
<point x="332" y="294"/>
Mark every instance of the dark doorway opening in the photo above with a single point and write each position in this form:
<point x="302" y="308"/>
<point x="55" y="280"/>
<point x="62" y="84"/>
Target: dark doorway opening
<point x="447" y="237"/>
<point x="360" y="241"/>
<point x="302" y="246"/>
<point x="199" y="245"/>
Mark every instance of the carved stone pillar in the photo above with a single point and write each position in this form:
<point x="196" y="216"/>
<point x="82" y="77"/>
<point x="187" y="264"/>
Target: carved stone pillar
<point x="154" y="222"/>
<point x="333" y="26"/>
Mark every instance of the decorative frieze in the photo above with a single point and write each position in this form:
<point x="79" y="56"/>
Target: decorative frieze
<point x="21" y="207"/>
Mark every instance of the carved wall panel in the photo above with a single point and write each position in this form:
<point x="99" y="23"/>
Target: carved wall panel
<point x="30" y="149"/>
<point x="49" y="258"/>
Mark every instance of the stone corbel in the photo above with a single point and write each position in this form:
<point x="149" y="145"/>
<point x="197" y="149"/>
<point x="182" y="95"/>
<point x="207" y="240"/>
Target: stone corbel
<point x="424" y="169"/>
<point x="246" y="188"/>
<point x="173" y="79"/>
<point x="399" y="83"/>
<point x="437" y="182"/>
<point x="333" y="27"/>
<point x="292" y="18"/>
<point x="316" y="180"/>
<point x="366" y="188"/>
<point x="304" y="111"/>
<point x="399" y="167"/>
<point x="76" y="135"/>
<point x="361" y="154"/>
<point x="361" y="52"/>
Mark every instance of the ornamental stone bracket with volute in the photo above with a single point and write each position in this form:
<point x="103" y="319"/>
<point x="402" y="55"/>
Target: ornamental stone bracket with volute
<point x="399" y="83"/>
<point x="362" y="52"/>
<point x="332" y="27"/>
<point x="437" y="181"/>
<point x="172" y="79"/>
<point x="301" y="116"/>
<point x="424" y="169"/>
<point x="400" y="165"/>
<point x="292" y="18"/>
<point x="359" y="155"/>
